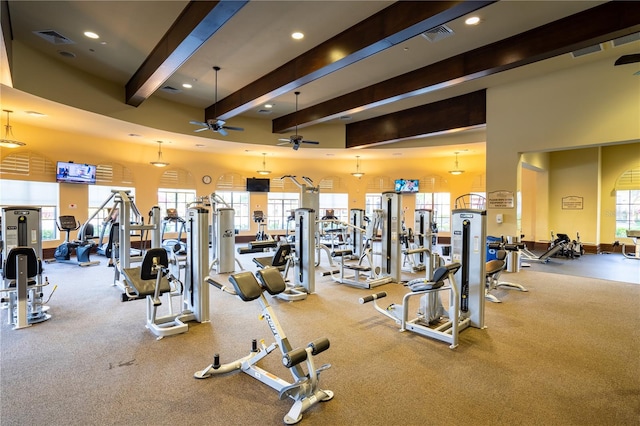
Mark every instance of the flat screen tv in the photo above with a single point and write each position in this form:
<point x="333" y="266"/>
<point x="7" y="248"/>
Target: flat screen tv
<point x="407" y="185"/>
<point x="68" y="172"/>
<point x="258" y="184"/>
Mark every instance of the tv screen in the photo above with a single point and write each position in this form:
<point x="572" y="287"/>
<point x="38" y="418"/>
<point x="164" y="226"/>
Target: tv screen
<point x="407" y="185"/>
<point x="68" y="172"/>
<point x="258" y="185"/>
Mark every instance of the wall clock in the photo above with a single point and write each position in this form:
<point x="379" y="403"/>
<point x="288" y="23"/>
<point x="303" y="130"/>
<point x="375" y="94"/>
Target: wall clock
<point x="206" y="179"/>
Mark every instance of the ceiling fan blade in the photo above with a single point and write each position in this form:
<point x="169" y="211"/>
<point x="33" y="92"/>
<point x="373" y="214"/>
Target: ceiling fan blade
<point x="628" y="59"/>
<point x="287" y="140"/>
<point x="240" y="129"/>
<point x="199" y="123"/>
<point x="201" y="130"/>
<point x="310" y="142"/>
<point x="222" y="131"/>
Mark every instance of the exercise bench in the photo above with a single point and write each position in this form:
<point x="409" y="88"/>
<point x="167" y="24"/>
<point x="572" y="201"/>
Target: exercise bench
<point x="304" y="390"/>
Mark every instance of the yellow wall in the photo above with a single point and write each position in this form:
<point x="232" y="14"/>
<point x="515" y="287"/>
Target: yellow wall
<point x="574" y="173"/>
<point x="61" y="146"/>
<point x="616" y="160"/>
<point x="572" y="108"/>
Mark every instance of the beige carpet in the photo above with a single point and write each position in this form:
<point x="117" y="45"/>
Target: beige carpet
<point x="565" y="353"/>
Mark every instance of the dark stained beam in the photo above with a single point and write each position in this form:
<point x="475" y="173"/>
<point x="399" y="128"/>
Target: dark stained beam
<point x="461" y="112"/>
<point x="395" y="24"/>
<point x="7" y="42"/>
<point x="596" y="25"/>
<point x="196" y="24"/>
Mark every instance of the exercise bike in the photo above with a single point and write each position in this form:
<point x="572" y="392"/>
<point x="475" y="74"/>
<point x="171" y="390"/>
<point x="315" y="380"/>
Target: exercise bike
<point x="81" y="246"/>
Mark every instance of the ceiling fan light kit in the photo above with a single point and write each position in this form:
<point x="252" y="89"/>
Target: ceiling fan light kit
<point x="7" y="141"/>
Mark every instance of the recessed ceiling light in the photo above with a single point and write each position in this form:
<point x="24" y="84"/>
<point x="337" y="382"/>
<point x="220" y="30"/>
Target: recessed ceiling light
<point x="297" y="35"/>
<point x="187" y="86"/>
<point x="91" y="34"/>
<point x="268" y="105"/>
<point x="135" y="135"/>
<point x="200" y="145"/>
<point x="474" y="20"/>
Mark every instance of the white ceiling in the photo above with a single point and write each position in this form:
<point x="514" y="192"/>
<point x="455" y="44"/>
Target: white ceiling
<point x="254" y="42"/>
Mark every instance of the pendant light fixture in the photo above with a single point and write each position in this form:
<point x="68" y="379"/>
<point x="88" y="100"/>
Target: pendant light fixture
<point x="357" y="173"/>
<point x="159" y="162"/>
<point x="264" y="170"/>
<point x="7" y="142"/>
<point x="457" y="170"/>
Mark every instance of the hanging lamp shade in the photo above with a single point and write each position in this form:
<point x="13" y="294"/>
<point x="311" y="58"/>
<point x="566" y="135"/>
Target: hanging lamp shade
<point x="160" y="161"/>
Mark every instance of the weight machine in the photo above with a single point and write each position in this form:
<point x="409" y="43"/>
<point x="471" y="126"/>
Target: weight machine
<point x="310" y="199"/>
<point x="222" y="235"/>
<point x="386" y="221"/>
<point x="634" y="235"/>
<point x="174" y="245"/>
<point x="419" y="253"/>
<point x="130" y="221"/>
<point x="153" y="279"/>
<point x="22" y="267"/>
<point x="374" y="279"/>
<point x="465" y="304"/>
<point x="390" y="239"/>
<point x="304" y="273"/>
<point x="494" y="267"/>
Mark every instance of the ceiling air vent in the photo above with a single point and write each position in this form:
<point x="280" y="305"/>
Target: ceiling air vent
<point x="586" y="51"/>
<point x="437" y="33"/>
<point x="170" y="89"/>
<point x="53" y="37"/>
<point x="264" y="111"/>
<point x="626" y="39"/>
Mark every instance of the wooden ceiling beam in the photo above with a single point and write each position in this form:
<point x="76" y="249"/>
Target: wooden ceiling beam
<point x="596" y="25"/>
<point x="392" y="25"/>
<point x="196" y="24"/>
<point x="461" y="112"/>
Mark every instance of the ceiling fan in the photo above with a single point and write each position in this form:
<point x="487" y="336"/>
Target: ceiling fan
<point x="296" y="140"/>
<point x="215" y="125"/>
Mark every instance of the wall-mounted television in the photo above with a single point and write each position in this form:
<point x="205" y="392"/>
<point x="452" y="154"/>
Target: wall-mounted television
<point x="407" y="185"/>
<point x="69" y="172"/>
<point x="258" y="184"/>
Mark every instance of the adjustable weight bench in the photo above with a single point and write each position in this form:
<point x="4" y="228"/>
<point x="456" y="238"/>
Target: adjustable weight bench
<point x="304" y="390"/>
<point x="280" y="263"/>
